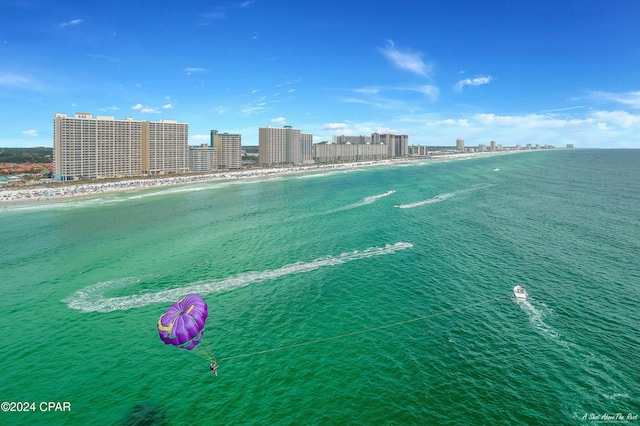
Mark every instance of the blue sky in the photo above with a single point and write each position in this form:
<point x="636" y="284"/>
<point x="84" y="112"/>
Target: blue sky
<point x="547" y="72"/>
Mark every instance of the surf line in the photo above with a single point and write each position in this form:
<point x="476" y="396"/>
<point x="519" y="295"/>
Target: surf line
<point x="91" y="298"/>
<point x="354" y="333"/>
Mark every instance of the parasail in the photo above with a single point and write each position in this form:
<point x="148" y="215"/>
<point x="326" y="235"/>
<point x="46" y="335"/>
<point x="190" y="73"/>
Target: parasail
<point x="182" y="325"/>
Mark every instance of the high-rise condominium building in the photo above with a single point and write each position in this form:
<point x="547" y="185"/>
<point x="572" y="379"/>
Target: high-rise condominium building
<point x="202" y="158"/>
<point x="167" y="144"/>
<point x="331" y="152"/>
<point x="352" y="139"/>
<point x="229" y="149"/>
<point x="397" y="145"/>
<point x="362" y="148"/>
<point x="96" y="147"/>
<point x="284" y="145"/>
<point x="418" y="150"/>
<point x="460" y="144"/>
<point x="306" y="148"/>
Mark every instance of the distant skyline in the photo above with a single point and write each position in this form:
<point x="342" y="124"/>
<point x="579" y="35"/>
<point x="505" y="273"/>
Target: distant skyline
<point x="543" y="72"/>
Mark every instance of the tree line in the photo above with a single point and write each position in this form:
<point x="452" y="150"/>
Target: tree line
<point x="26" y="155"/>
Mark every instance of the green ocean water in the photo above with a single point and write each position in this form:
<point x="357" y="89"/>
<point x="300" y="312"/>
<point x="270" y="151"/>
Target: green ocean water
<point x="373" y="296"/>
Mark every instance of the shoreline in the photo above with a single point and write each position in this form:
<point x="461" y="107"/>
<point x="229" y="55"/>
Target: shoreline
<point x="77" y="189"/>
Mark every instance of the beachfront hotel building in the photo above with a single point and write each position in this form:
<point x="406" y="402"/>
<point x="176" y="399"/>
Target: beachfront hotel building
<point x="352" y="139"/>
<point x="418" y="151"/>
<point x="165" y="148"/>
<point x="362" y="148"/>
<point x="327" y="152"/>
<point x="397" y="145"/>
<point x="460" y="145"/>
<point x="284" y="145"/>
<point x="229" y="149"/>
<point x="202" y="158"/>
<point x="98" y="147"/>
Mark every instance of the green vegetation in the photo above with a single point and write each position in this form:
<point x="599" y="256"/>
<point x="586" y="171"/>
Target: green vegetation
<point x="26" y="155"/>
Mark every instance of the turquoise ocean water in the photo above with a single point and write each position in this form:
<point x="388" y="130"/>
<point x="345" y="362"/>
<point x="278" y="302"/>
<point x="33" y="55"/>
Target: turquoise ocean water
<point x="380" y="295"/>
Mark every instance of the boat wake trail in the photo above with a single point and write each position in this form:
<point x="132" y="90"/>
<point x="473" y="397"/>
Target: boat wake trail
<point x="367" y="200"/>
<point x="436" y="199"/>
<point x="91" y="299"/>
<point x="441" y="197"/>
<point x="536" y="318"/>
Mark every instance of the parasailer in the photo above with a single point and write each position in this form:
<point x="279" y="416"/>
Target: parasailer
<point x="182" y="325"/>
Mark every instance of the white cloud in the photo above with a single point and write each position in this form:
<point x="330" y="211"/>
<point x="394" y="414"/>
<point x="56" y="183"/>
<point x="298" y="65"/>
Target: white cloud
<point x="374" y="103"/>
<point x="385" y="130"/>
<point x="215" y="15"/>
<point x="462" y="122"/>
<point x="71" y="23"/>
<point x="107" y="109"/>
<point x="335" y="127"/>
<point x="246" y="3"/>
<point x="279" y="120"/>
<point x="190" y="70"/>
<point x="30" y="133"/>
<point x="167" y="106"/>
<point x="582" y="127"/>
<point x="528" y="121"/>
<point x="477" y="81"/>
<point x="431" y="91"/>
<point x="145" y="109"/>
<point x="563" y="109"/>
<point x="251" y="109"/>
<point x="407" y="61"/>
<point x="368" y="90"/>
<point x="619" y="118"/>
<point x="595" y="129"/>
<point x="630" y="99"/>
<point x="428" y="90"/>
<point x="17" y="81"/>
<point x="13" y="80"/>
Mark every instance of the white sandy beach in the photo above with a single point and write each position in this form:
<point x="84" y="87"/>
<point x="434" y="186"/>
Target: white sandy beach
<point x="77" y="189"/>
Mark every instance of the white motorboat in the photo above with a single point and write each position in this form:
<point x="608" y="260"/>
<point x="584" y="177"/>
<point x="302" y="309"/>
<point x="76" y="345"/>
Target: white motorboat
<point x="520" y="292"/>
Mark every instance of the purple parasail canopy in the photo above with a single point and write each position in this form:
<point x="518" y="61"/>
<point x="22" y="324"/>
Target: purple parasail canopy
<point x="182" y="324"/>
